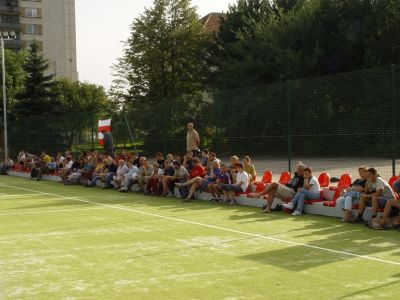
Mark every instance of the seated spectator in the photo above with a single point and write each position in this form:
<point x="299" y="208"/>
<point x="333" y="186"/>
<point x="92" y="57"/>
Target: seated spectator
<point x="204" y="157"/>
<point x="240" y="186"/>
<point x="76" y="173"/>
<point x="196" y="179"/>
<point x="112" y="169"/>
<point x="6" y="166"/>
<point x="215" y="187"/>
<point x="378" y="192"/>
<point x="249" y="168"/>
<point x="310" y="191"/>
<point x="99" y="171"/>
<point x="60" y="160"/>
<point x="167" y="178"/>
<point x="52" y="165"/>
<point x="63" y="173"/>
<point x="22" y="160"/>
<point x="160" y="159"/>
<point x="181" y="175"/>
<point x="153" y="183"/>
<point x="396" y="185"/>
<point x="232" y="168"/>
<point x="120" y="174"/>
<point x="35" y="165"/>
<point x="44" y="169"/>
<point x="88" y="170"/>
<point x="188" y="161"/>
<point x="179" y="157"/>
<point x="285" y="192"/>
<point x="392" y="209"/>
<point x="211" y="158"/>
<point x="145" y="172"/>
<point x="130" y="178"/>
<point x="170" y="158"/>
<point x="352" y="195"/>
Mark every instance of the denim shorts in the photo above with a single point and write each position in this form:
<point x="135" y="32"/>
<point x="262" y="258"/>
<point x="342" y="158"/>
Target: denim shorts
<point x="382" y="201"/>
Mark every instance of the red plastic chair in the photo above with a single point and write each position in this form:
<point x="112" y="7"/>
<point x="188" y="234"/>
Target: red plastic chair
<point x="260" y="186"/>
<point x="332" y="203"/>
<point x="267" y="177"/>
<point x="392" y="180"/>
<point x="323" y="180"/>
<point x="321" y="199"/>
<point x="344" y="183"/>
<point x="285" y="178"/>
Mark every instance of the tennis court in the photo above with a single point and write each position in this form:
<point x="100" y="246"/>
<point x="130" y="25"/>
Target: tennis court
<point x="74" y="243"/>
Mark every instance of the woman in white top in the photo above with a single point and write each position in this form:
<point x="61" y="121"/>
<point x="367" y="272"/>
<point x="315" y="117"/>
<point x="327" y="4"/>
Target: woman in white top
<point x="311" y="191"/>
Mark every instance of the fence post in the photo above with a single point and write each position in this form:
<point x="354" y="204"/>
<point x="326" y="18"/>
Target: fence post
<point x="289" y="99"/>
<point x="165" y="131"/>
<point x="92" y="132"/>
<point x="393" y="69"/>
<point x="217" y="125"/>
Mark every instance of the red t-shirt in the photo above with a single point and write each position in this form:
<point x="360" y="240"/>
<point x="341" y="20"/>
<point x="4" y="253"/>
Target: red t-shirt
<point x="198" y="171"/>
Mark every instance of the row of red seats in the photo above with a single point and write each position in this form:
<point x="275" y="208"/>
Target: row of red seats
<point x="19" y="168"/>
<point x="324" y="181"/>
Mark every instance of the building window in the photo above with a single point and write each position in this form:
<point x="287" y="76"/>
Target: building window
<point x="31" y="28"/>
<point x="31" y="12"/>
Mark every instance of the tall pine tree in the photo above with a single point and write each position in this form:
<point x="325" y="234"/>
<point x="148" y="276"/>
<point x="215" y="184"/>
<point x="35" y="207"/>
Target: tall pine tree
<point x="39" y="97"/>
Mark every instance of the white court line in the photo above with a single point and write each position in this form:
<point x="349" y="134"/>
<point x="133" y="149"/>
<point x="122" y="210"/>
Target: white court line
<point x="215" y="227"/>
<point x="52" y="211"/>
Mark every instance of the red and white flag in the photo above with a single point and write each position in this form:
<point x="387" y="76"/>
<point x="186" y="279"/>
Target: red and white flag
<point x="104" y="125"/>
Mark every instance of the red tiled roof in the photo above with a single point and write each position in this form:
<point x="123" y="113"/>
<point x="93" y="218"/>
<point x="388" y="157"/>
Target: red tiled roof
<point x="212" y="21"/>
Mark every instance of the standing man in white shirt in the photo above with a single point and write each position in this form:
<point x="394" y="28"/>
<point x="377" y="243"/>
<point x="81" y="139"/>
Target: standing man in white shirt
<point x="310" y="191"/>
<point x="192" y="139"/>
<point x="240" y="186"/>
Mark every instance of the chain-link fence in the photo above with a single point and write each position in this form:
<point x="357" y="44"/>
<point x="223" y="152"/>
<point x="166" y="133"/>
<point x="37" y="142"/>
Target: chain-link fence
<point x="334" y="123"/>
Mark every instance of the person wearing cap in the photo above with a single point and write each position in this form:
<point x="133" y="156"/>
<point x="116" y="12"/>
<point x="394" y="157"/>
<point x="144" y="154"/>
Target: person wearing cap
<point x="280" y="191"/>
<point x="310" y="191"/>
<point x="240" y="186"/>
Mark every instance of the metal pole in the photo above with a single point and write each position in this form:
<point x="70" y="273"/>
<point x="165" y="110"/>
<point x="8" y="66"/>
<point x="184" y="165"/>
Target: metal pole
<point x="393" y="120"/>
<point x="4" y="101"/>
<point x="289" y="87"/>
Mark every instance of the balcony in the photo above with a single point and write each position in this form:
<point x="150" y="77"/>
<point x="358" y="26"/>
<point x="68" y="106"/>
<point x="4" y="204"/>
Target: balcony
<point x="9" y="9"/>
<point x="12" y="44"/>
<point x="10" y="26"/>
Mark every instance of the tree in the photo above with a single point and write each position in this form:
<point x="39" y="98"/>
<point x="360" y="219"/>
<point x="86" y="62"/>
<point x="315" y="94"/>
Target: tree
<point x="15" y="75"/>
<point x="37" y="98"/>
<point x="164" y="65"/>
<point x="81" y="104"/>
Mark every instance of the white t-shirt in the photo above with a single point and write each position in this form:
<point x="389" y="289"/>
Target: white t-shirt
<point x="315" y="188"/>
<point x="69" y="165"/>
<point x="133" y="172"/>
<point x="385" y="187"/>
<point x="244" y="178"/>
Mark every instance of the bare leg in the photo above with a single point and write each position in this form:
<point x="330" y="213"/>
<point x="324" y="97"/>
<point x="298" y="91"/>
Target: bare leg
<point x="375" y="206"/>
<point x="193" y="181"/>
<point x="193" y="189"/>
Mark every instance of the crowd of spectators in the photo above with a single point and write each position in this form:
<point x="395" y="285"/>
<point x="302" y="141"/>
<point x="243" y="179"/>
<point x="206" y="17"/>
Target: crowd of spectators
<point x="201" y="170"/>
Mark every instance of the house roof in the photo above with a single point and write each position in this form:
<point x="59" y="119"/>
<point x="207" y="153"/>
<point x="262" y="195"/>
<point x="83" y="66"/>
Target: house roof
<point x="212" y="21"/>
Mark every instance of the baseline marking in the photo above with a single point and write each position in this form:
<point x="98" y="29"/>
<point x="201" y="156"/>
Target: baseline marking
<point x="214" y="227"/>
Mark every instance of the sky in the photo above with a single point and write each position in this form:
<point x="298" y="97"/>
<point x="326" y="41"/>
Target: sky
<point x="102" y="25"/>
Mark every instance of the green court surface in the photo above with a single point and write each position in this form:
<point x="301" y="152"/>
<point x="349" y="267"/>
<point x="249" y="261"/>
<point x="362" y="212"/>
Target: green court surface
<point x="61" y="242"/>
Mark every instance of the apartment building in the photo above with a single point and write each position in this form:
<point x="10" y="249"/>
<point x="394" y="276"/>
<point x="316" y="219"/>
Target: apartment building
<point x="49" y="22"/>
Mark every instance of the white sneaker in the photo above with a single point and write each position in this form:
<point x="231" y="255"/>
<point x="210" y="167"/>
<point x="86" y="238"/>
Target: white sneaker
<point x="288" y="205"/>
<point x="296" y="213"/>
